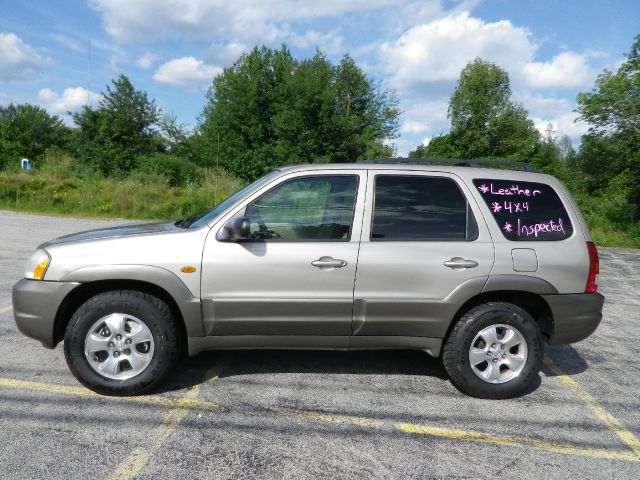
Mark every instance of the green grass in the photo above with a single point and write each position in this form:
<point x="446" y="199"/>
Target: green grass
<point x="135" y="197"/>
<point x="608" y="235"/>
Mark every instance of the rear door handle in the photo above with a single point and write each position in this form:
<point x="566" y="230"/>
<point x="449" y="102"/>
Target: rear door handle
<point x="329" y="263"/>
<point x="459" y="263"/>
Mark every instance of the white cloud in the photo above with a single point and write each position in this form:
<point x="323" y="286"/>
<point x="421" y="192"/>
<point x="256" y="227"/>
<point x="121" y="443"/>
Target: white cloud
<point x="135" y="20"/>
<point x="427" y="59"/>
<point x="18" y="60"/>
<point x="543" y="106"/>
<point x="559" y="112"/>
<point x="565" y="70"/>
<point x="329" y="42"/>
<point x="410" y="127"/>
<point x="429" y="116"/>
<point x="225" y="54"/>
<point x="70" y="43"/>
<point x="147" y="60"/>
<point x="186" y="72"/>
<point x="71" y="100"/>
<point x="563" y="124"/>
<point x="4" y="99"/>
<point x="423" y="11"/>
<point x="436" y="52"/>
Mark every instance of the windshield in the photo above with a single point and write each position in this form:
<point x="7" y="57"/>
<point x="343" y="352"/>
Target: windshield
<point x="228" y="202"/>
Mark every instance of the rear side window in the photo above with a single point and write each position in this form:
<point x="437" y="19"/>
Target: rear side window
<point x="418" y="208"/>
<point x="525" y="211"/>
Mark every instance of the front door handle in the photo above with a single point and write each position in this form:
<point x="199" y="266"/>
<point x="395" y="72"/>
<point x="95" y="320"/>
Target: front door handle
<point x="329" y="263"/>
<point x="459" y="263"/>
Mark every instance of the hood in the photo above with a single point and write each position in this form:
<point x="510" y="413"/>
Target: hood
<point x="121" y="231"/>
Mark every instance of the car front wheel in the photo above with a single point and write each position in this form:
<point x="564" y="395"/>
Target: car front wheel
<point x="122" y="342"/>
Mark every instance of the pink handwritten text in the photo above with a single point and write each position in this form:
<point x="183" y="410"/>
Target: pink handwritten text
<point x="511" y="207"/>
<point x="533" y="230"/>
<point x="513" y="190"/>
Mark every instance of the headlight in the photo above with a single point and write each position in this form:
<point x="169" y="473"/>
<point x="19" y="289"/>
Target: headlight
<point x="37" y="265"/>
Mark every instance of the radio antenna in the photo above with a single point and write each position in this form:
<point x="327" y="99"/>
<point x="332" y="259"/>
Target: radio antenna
<point x="88" y="72"/>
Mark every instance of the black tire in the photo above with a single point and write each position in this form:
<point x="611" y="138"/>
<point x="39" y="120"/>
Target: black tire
<point x="455" y="356"/>
<point x="156" y="316"/>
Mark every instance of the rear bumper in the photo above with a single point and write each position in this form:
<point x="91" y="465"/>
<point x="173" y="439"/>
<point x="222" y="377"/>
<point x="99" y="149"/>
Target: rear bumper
<point x="35" y="303"/>
<point x="575" y="316"/>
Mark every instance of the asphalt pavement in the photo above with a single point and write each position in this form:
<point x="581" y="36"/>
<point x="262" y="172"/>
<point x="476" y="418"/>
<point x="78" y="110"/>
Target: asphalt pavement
<point x="297" y="414"/>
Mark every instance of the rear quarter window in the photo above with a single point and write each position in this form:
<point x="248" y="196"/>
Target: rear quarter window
<point x="525" y="211"/>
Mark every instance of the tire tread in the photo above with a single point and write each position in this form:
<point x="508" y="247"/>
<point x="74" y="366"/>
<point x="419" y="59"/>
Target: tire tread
<point x="132" y="386"/>
<point x="451" y="352"/>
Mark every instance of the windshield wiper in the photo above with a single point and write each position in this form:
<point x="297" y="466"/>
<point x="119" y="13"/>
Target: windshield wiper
<point x="187" y="222"/>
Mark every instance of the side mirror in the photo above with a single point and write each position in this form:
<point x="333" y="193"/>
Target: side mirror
<point x="235" y="230"/>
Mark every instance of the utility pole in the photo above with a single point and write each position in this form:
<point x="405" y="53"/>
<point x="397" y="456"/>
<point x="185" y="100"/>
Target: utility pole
<point x="88" y="72"/>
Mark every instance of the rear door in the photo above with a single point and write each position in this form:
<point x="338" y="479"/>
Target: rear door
<point x="425" y="248"/>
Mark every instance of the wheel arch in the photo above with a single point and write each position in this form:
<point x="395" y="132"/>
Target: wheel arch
<point x="184" y="312"/>
<point x="532" y="303"/>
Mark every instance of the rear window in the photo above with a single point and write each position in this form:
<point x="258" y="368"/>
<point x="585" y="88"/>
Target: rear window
<point x="525" y="211"/>
<point x="420" y="208"/>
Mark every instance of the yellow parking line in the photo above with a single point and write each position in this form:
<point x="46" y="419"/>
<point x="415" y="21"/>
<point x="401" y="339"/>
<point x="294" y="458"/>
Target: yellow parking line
<point x="461" y="435"/>
<point x="140" y="457"/>
<point x="6" y="309"/>
<point x="329" y="418"/>
<point x="183" y="403"/>
<point x="515" y="442"/>
<point x="627" y="437"/>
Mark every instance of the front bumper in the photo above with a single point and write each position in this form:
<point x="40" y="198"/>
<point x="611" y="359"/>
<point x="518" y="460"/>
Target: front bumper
<point x="575" y="316"/>
<point x="35" y="304"/>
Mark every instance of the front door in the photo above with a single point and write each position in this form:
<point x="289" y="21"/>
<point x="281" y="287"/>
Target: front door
<point x="295" y="275"/>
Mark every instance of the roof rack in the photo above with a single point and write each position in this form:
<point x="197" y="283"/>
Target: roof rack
<point x="460" y="162"/>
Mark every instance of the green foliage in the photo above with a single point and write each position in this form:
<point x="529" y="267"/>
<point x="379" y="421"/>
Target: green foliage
<point x="177" y="171"/>
<point x="126" y="159"/>
<point x="604" y="175"/>
<point x="484" y="121"/>
<point x="26" y="131"/>
<point x="57" y="188"/>
<point x="611" y="149"/>
<point x="438" y="147"/>
<point x="270" y="109"/>
<point x="122" y="128"/>
<point x="613" y="106"/>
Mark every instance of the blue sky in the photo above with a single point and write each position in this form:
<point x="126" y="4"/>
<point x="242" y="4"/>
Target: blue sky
<point x="173" y="49"/>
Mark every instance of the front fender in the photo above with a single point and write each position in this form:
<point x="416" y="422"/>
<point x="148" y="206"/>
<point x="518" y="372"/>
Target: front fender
<point x="188" y="304"/>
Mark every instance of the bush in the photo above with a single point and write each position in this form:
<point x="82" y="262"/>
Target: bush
<point x="59" y="164"/>
<point x="177" y="171"/>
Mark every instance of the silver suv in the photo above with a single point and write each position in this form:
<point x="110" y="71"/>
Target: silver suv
<point x="474" y="265"/>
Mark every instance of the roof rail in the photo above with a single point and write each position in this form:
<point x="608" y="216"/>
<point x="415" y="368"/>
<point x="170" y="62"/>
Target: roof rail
<point x="463" y="162"/>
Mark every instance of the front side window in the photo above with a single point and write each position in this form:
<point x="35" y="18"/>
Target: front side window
<point x="420" y="208"/>
<point x="309" y="208"/>
<point x="525" y="211"/>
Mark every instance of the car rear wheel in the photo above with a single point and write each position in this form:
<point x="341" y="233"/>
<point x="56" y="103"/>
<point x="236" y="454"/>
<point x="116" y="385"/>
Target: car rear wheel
<point x="494" y="351"/>
<point x="122" y="342"/>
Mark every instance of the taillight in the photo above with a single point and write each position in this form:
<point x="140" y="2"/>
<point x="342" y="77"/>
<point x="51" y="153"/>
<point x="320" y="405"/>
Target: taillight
<point x="594" y="269"/>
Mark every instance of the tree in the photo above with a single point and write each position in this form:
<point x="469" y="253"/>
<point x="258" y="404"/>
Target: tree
<point x="27" y="131"/>
<point x="610" y="152"/>
<point x="484" y="121"/>
<point x="613" y="106"/>
<point x="438" y="147"/>
<point x="270" y="109"/>
<point x="123" y="127"/>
